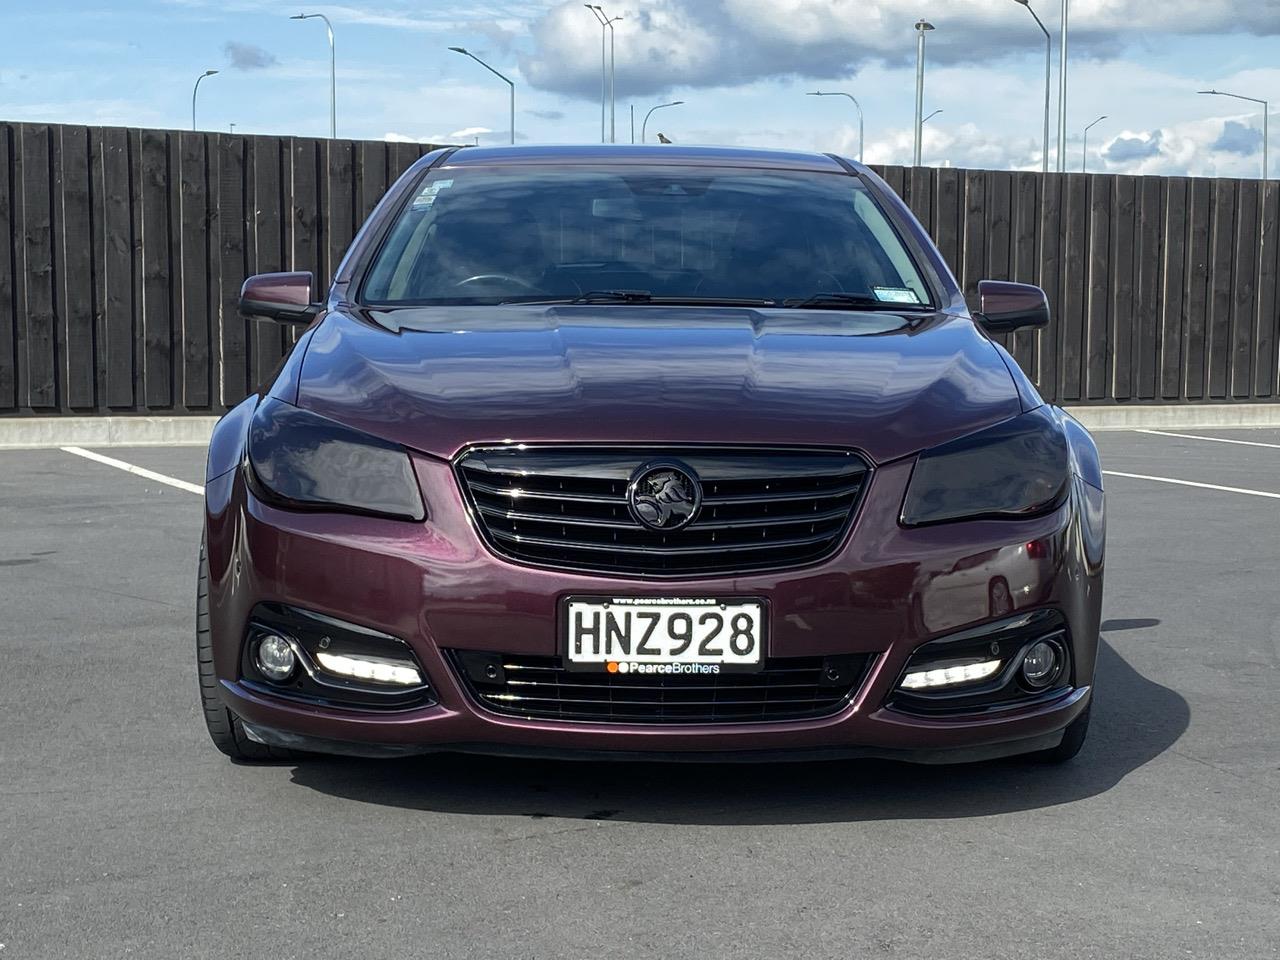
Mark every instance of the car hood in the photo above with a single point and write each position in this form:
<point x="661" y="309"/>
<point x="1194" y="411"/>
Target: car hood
<point x="442" y="378"/>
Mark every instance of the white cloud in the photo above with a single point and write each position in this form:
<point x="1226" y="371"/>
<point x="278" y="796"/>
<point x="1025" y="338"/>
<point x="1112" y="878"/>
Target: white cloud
<point x="707" y="43"/>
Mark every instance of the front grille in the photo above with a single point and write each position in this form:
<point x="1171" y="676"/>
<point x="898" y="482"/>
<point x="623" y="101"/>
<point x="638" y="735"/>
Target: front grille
<point x="568" y="507"/>
<point x="540" y="688"/>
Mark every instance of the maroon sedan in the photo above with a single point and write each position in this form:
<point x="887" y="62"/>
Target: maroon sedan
<point x="648" y="452"/>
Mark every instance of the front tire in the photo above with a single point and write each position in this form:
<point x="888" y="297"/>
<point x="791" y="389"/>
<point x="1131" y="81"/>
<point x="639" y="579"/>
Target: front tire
<point x="226" y="729"/>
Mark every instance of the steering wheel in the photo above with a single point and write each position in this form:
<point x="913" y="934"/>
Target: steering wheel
<point x="483" y="277"/>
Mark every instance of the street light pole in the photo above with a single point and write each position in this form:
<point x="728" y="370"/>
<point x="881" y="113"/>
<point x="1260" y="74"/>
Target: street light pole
<point x="922" y="27"/>
<point x="207" y="73"/>
<point x="1048" y="78"/>
<point x="862" y="140"/>
<point x="613" y="95"/>
<point x="1084" y="165"/>
<point x="1062" y="89"/>
<point x="467" y="53"/>
<point x="644" y="127"/>
<point x="607" y="87"/>
<point x="333" y="71"/>
<point x="1266" y="130"/>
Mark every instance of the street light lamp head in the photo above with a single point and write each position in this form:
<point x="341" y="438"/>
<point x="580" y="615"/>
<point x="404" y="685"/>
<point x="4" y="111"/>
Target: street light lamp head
<point x="924" y="25"/>
<point x="461" y="50"/>
<point x="210" y="73"/>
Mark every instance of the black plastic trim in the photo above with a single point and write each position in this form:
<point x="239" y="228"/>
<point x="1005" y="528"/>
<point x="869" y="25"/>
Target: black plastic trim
<point x="307" y="630"/>
<point x="1007" y="639"/>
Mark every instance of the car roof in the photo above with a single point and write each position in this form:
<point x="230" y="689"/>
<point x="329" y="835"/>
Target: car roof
<point x="666" y="155"/>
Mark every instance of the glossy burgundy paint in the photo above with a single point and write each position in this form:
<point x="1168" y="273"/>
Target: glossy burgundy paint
<point x="665" y="374"/>
<point x="292" y="289"/>
<point x="452" y="377"/>
<point x="1004" y="307"/>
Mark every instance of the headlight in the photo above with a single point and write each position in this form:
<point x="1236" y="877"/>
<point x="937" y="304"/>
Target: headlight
<point x="302" y="460"/>
<point x="1016" y="469"/>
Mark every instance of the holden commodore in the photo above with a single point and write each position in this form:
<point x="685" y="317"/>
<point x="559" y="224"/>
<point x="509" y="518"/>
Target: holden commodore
<point x="648" y="453"/>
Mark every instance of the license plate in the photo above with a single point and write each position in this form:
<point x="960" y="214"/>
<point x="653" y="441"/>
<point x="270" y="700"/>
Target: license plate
<point x="664" y="636"/>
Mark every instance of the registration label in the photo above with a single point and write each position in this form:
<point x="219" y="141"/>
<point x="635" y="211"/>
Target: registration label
<point x="664" y="635"/>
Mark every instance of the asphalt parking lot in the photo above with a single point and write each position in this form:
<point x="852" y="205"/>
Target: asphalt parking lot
<point x="123" y="833"/>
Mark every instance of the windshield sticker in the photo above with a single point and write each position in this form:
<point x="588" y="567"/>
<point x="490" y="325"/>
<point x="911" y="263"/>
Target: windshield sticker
<point x="896" y="295"/>
<point x="427" y="197"/>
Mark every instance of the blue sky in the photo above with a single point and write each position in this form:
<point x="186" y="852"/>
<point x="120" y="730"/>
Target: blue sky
<point x="742" y="66"/>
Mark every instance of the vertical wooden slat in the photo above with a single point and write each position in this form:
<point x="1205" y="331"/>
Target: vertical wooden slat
<point x="1221" y="281"/>
<point x="8" y="273"/>
<point x="1098" y="347"/>
<point x="1199" y="232"/>
<point x="340" y="205"/>
<point x="949" y="217"/>
<point x="975" y="241"/>
<point x="157" y="274"/>
<point x="119" y="268"/>
<point x="1075" y="280"/>
<point x="306" y="208"/>
<point x="1244" y="289"/>
<point x="920" y="192"/>
<point x="1050" y="279"/>
<point x="229" y="151"/>
<point x="373" y="176"/>
<point x="1145" y="342"/>
<point x="400" y="157"/>
<point x="78" y="287"/>
<point x="266" y="339"/>
<point x="197" y="315"/>
<point x="998" y="228"/>
<point x="896" y="178"/>
<point x="1025" y="220"/>
<point x="1173" y="298"/>
<point x="1267" y="330"/>
<point x="38" y="335"/>
<point x="1121" y="266"/>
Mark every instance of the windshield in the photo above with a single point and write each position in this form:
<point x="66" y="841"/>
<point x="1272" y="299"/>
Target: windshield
<point x="643" y="234"/>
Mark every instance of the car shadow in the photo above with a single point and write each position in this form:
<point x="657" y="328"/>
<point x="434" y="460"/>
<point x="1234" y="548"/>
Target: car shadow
<point x="1138" y="623"/>
<point x="1134" y="721"/>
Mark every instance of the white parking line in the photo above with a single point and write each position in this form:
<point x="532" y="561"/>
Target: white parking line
<point x="1188" y="436"/>
<point x="139" y="471"/>
<point x="1190" y="483"/>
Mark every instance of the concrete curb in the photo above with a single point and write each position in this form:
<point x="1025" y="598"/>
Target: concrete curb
<point x="1179" y="416"/>
<point x="26" y="433"/>
<point x="21" y="433"/>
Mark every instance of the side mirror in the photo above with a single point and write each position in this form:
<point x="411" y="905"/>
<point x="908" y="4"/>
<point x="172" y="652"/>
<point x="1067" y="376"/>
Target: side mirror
<point x="282" y="297"/>
<point x="1004" y="307"/>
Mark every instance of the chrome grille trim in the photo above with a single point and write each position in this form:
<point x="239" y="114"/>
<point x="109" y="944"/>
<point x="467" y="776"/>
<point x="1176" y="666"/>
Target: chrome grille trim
<point x="566" y="507"/>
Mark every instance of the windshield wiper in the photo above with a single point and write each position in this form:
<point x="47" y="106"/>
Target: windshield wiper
<point x="644" y="296"/>
<point x="849" y="301"/>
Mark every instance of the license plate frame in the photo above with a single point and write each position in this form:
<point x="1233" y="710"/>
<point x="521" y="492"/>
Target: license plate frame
<point x="693" y="664"/>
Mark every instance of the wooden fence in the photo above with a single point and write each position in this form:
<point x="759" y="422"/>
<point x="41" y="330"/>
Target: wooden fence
<point x="122" y="252"/>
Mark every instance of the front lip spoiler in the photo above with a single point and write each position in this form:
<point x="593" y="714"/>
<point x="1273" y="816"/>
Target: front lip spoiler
<point x="271" y="736"/>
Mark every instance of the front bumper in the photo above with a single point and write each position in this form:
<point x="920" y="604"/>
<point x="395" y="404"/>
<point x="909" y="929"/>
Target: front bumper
<point x="887" y="592"/>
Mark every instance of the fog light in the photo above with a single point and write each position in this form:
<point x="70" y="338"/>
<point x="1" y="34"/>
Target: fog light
<point x="950" y="675"/>
<point x="1041" y="664"/>
<point x="276" y="658"/>
<point x="370" y="668"/>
